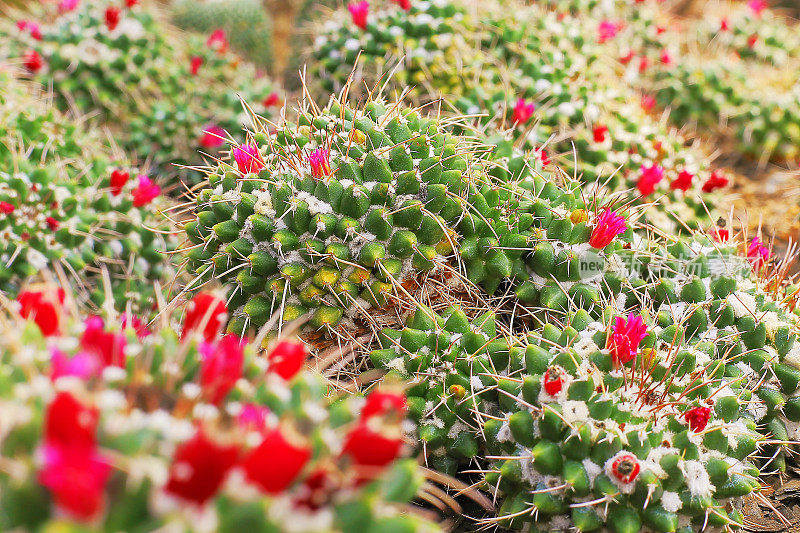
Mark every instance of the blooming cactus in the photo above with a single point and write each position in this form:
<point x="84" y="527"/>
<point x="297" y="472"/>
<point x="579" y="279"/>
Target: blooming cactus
<point x="180" y="432"/>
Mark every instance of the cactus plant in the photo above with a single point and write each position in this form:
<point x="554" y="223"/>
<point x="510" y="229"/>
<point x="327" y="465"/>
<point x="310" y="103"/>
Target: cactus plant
<point x="118" y="427"/>
<point x="158" y="93"/>
<point x="66" y="201"/>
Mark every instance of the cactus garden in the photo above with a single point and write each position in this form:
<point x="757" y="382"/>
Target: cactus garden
<point x="399" y="266"/>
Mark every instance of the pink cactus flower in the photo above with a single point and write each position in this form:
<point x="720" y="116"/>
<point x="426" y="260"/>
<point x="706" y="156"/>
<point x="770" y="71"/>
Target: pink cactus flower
<point x="30" y="27"/>
<point x="683" y="181"/>
<point x="648" y="102"/>
<point x="218" y="40"/>
<point x="758" y="253"/>
<point x="6" y="208"/>
<point x="666" y="58"/>
<point x="359" y="12"/>
<point x="644" y="64"/>
<point x="607" y="30"/>
<point x="320" y="166"/>
<point x="542" y="155"/>
<point x="649" y="178"/>
<point x="717" y="180"/>
<point x="405" y="5"/>
<point x="145" y="192"/>
<point x="82" y="365"/>
<point x="523" y="111"/>
<point x="757" y="6"/>
<point x="248" y="159"/>
<point x="65" y="6"/>
<point x="221" y="367"/>
<point x="253" y="417"/>
<point x="609" y="224"/>
<point x="132" y="321"/>
<point x="623" y="342"/>
<point x="724" y="25"/>
<point x="213" y="136"/>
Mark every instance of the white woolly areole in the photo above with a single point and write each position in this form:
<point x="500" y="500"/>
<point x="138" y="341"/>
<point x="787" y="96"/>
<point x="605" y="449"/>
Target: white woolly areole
<point x="671" y="502"/>
<point x="697" y="479"/>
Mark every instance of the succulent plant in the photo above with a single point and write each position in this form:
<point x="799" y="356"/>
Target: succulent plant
<point x="245" y="21"/>
<point x="66" y="202"/>
<point x="326" y="217"/>
<point x="158" y="93"/>
<point x="110" y="426"/>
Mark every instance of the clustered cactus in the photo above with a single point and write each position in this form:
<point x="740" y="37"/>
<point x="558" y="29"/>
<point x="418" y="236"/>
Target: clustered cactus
<point x="133" y="425"/>
<point x="539" y="73"/>
<point x="66" y="203"/>
<point x="160" y="95"/>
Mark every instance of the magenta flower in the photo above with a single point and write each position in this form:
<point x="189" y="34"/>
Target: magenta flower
<point x="607" y="30"/>
<point x="30" y="27"/>
<point x="218" y="41"/>
<point x="648" y="101"/>
<point x="757" y="6"/>
<point x="758" y="253"/>
<point x="248" y="159"/>
<point x="666" y="58"/>
<point x="137" y="324"/>
<point x="623" y="343"/>
<point x="609" y="224"/>
<point x="213" y="136"/>
<point x="106" y="346"/>
<point x="523" y="111"/>
<point x="83" y="365"/>
<point x="320" y="166"/>
<point x="649" y="179"/>
<point x="221" y="367"/>
<point x="145" y="192"/>
<point x="65" y="6"/>
<point x="359" y="12"/>
<point x="253" y="417"/>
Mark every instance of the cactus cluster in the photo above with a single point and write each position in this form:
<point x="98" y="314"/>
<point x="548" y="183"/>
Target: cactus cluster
<point x="121" y="427"/>
<point x="66" y="203"/>
<point x="157" y="93"/>
<point x="245" y="21"/>
<point x="540" y="73"/>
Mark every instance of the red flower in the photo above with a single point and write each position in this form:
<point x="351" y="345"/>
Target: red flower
<point x="195" y="64"/>
<point x="112" y="17"/>
<point x="70" y="424"/>
<point x="649" y="178"/>
<point x="723" y="25"/>
<point x="384" y="403"/>
<point x="404" y="4"/>
<point x="221" y="367"/>
<point x="600" y="132"/>
<point x="43" y="307"/>
<point x="697" y="418"/>
<point x="108" y="347"/>
<point x="287" y="358"/>
<point x="757" y="6"/>
<point x="138" y="325"/>
<point x="145" y="192"/>
<point x="625" y="467"/>
<point x="272" y="100"/>
<point x="644" y="63"/>
<point x="33" y="61"/>
<point x="52" y="223"/>
<point x="30" y="27"/>
<point x="218" y="41"/>
<point x="76" y="478"/>
<point x="625" y="337"/>
<point x="648" y="102"/>
<point x="213" y="136"/>
<point x="683" y="181"/>
<point x="118" y="180"/>
<point x="369" y="448"/>
<point x="199" y="467"/>
<point x="752" y="40"/>
<point x="523" y="111"/>
<point x="359" y="12"/>
<point x="666" y="58"/>
<point x="717" y="180"/>
<point x="6" y="208"/>
<point x="82" y="365"/>
<point x="248" y="159"/>
<point x="609" y="224"/>
<point x="130" y="3"/>
<point x="275" y="463"/>
<point x="541" y="155"/>
<point x="627" y="58"/>
<point x="553" y="380"/>
<point x="205" y="311"/>
<point x="320" y="166"/>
